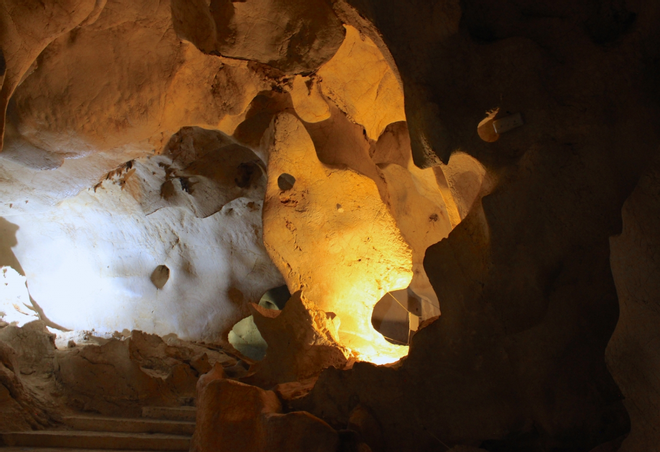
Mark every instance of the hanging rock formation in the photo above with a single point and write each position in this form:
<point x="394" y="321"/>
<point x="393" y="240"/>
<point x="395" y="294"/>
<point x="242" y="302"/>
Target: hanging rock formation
<point x="337" y="214"/>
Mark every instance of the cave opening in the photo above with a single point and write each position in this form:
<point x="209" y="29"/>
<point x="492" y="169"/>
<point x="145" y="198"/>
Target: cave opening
<point x="397" y="316"/>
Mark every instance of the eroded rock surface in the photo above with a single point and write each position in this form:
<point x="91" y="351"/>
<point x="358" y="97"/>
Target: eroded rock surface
<point x="337" y="214"/>
<point x="235" y="416"/>
<point x="116" y="376"/>
<point x="522" y="277"/>
<point x="527" y="296"/>
<point x="26" y="365"/>
<point x="195" y="209"/>
<point x="631" y="354"/>
<point x="293" y="36"/>
<point x="121" y="376"/>
<point x="302" y="341"/>
<point x="174" y="175"/>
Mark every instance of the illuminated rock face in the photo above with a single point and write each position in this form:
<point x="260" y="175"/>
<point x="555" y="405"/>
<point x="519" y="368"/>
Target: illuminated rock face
<point x="171" y="240"/>
<point x="360" y="81"/>
<point x="195" y="209"/>
<point x="332" y="237"/>
<point x="81" y="114"/>
<point x="135" y="98"/>
<point x="119" y="217"/>
<point x="516" y="361"/>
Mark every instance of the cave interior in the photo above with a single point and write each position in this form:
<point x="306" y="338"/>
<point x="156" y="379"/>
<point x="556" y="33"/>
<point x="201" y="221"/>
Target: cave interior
<point x="330" y="225"/>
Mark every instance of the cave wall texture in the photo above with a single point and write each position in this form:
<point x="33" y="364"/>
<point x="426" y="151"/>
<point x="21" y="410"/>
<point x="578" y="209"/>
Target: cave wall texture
<point x="527" y="318"/>
<point x="545" y="258"/>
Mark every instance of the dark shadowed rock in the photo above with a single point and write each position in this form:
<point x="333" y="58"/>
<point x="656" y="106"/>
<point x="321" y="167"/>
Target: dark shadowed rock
<point x="230" y="416"/>
<point x="234" y="416"/>
<point x="299" y="345"/>
<point x="297" y="36"/>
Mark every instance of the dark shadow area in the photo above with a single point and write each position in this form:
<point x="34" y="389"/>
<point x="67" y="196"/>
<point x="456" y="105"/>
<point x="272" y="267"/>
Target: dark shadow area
<point x="396" y="315"/>
<point x="275" y="298"/>
<point x="7" y="242"/>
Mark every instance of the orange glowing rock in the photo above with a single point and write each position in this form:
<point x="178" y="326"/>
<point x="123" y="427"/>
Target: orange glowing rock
<point x="308" y="101"/>
<point x="360" y="81"/>
<point x="333" y="238"/>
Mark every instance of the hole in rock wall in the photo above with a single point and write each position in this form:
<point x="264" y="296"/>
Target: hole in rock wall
<point x="275" y="298"/>
<point x="397" y="316"/>
<point x="160" y="276"/>
<point x="245" y="336"/>
<point x="286" y="181"/>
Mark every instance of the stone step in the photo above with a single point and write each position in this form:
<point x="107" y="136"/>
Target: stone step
<point x="97" y="440"/>
<point x="184" y="413"/>
<point x="140" y="425"/>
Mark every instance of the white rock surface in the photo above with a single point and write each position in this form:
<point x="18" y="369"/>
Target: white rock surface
<point x="14" y="298"/>
<point x="89" y="259"/>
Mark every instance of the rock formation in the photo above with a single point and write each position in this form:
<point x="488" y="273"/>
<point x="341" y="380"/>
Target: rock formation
<point x="22" y="354"/>
<point x="41" y="381"/>
<point x="166" y="163"/>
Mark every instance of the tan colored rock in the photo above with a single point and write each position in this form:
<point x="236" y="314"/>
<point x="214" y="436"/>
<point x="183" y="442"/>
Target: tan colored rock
<point x="27" y="27"/>
<point x="465" y="182"/>
<point x="293" y="36"/>
<point x="421" y="201"/>
<point x="233" y="416"/>
<point x="308" y="100"/>
<point x="360" y="81"/>
<point x="423" y="220"/>
<point x="216" y="373"/>
<point x="453" y="187"/>
<point x="339" y="142"/>
<point x="230" y="416"/>
<point x="34" y="346"/>
<point x="332" y="237"/>
<point x="294" y="389"/>
<point x="299" y="431"/>
<point x="302" y="341"/>
<point x="119" y="377"/>
<point x="149" y="93"/>
<point x="19" y="409"/>
<point x="201" y="170"/>
<point x="427" y="204"/>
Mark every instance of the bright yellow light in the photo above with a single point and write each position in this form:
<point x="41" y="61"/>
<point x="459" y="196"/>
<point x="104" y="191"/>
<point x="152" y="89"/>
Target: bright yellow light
<point x="381" y="360"/>
<point x="333" y="238"/>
